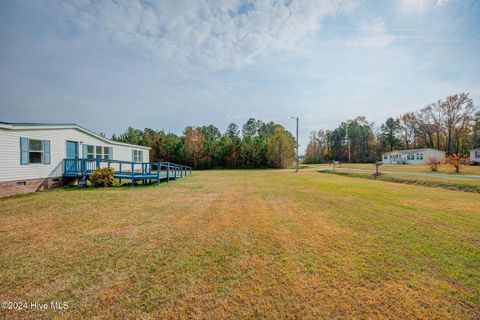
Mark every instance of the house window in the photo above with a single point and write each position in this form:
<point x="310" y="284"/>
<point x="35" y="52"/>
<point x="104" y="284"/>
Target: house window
<point x="101" y="152"/>
<point x="35" y="151"/>
<point x="106" y="153"/>
<point x="137" y="155"/>
<point x="385" y="157"/>
<point x="90" y="152"/>
<point x="97" y="152"/>
<point x="477" y="154"/>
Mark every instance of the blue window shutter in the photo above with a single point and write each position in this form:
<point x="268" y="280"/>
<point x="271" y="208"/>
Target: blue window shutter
<point x="110" y="153"/>
<point x="84" y="151"/>
<point x="24" y="151"/>
<point x="133" y="155"/>
<point x="46" y="152"/>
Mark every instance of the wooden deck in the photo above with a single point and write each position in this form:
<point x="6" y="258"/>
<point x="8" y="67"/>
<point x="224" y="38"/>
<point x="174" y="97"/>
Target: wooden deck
<point x="127" y="170"/>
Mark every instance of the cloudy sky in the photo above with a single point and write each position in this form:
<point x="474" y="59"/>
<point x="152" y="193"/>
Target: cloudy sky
<point x="108" y="65"/>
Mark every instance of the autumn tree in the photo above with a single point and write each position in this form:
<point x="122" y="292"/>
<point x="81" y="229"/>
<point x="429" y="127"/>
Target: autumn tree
<point x="280" y="149"/>
<point x="315" y="147"/>
<point x="456" y="161"/>
<point x="433" y="162"/>
<point x="194" y="144"/>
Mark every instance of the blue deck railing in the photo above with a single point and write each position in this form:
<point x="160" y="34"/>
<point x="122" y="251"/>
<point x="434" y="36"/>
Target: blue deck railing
<point x="134" y="171"/>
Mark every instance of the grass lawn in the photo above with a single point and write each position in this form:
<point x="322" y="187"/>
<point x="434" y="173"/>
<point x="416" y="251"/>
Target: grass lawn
<point x="443" y="168"/>
<point x="453" y="179"/>
<point x="244" y="244"/>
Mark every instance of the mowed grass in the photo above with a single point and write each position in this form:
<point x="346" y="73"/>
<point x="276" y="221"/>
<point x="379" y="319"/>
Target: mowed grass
<point x="442" y="168"/>
<point x="244" y="244"/>
<point x="453" y="179"/>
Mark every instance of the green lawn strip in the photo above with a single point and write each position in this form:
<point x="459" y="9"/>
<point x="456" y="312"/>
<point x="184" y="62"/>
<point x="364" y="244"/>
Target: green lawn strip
<point x="466" y="187"/>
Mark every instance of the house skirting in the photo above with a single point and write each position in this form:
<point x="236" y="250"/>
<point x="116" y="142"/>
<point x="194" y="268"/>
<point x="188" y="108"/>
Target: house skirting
<point x="10" y="188"/>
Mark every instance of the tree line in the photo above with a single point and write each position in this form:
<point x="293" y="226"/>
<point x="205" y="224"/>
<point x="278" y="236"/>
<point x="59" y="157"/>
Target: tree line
<point x="451" y="125"/>
<point x="257" y="144"/>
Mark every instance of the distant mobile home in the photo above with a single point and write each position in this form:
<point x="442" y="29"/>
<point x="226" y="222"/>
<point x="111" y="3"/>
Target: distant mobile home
<point x="475" y="156"/>
<point x="32" y="154"/>
<point x="412" y="156"/>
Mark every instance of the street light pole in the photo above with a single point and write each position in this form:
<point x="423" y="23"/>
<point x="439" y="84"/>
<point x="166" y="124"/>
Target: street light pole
<point x="296" y="118"/>
<point x="348" y="141"/>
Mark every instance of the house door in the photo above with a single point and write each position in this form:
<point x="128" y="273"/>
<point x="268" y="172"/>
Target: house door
<point x="72" y="154"/>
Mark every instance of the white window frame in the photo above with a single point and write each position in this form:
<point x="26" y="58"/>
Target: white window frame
<point x="137" y="155"/>
<point x="41" y="151"/>
<point x="90" y="154"/>
<point x="104" y="153"/>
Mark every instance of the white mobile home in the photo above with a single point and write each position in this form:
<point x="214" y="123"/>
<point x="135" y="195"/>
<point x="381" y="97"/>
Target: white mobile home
<point x="412" y="156"/>
<point x="475" y="156"/>
<point x="32" y="154"/>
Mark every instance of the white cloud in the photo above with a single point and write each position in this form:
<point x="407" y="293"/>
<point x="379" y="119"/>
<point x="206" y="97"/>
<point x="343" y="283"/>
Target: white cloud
<point x="373" y="33"/>
<point x="215" y="34"/>
<point x="419" y="6"/>
<point x="442" y="2"/>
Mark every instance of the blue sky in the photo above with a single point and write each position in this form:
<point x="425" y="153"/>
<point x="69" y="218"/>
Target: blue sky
<point x="108" y="65"/>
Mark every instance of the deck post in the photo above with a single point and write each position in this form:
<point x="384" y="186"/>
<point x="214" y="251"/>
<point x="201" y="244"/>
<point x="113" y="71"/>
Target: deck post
<point x="168" y="171"/>
<point x="175" y="172"/>
<point x="133" y="174"/>
<point x="159" y="172"/>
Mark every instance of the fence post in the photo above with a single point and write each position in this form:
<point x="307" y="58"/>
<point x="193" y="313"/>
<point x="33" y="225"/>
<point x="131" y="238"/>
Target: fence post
<point x="168" y="171"/>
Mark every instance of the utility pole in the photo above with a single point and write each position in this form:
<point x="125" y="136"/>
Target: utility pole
<point x="296" y="169"/>
<point x="348" y="142"/>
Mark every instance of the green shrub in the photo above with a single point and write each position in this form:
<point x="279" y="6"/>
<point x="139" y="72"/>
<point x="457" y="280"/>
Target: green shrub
<point x="103" y="177"/>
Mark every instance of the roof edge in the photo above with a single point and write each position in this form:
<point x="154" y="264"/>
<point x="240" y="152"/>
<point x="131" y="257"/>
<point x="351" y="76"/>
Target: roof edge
<point x="13" y="125"/>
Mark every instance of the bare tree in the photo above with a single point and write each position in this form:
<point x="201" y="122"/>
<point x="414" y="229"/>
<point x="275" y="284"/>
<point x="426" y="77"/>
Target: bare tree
<point x="437" y="118"/>
<point x="424" y="125"/>
<point x="457" y="110"/>
<point x="408" y="128"/>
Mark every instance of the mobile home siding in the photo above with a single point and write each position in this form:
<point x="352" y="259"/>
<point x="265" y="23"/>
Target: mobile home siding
<point x="400" y="156"/>
<point x="475" y="156"/>
<point x="12" y="169"/>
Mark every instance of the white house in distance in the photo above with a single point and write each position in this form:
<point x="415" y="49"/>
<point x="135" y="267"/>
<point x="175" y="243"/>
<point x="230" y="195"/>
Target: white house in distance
<point x="412" y="156"/>
<point x="475" y="156"/>
<point x="32" y="154"/>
